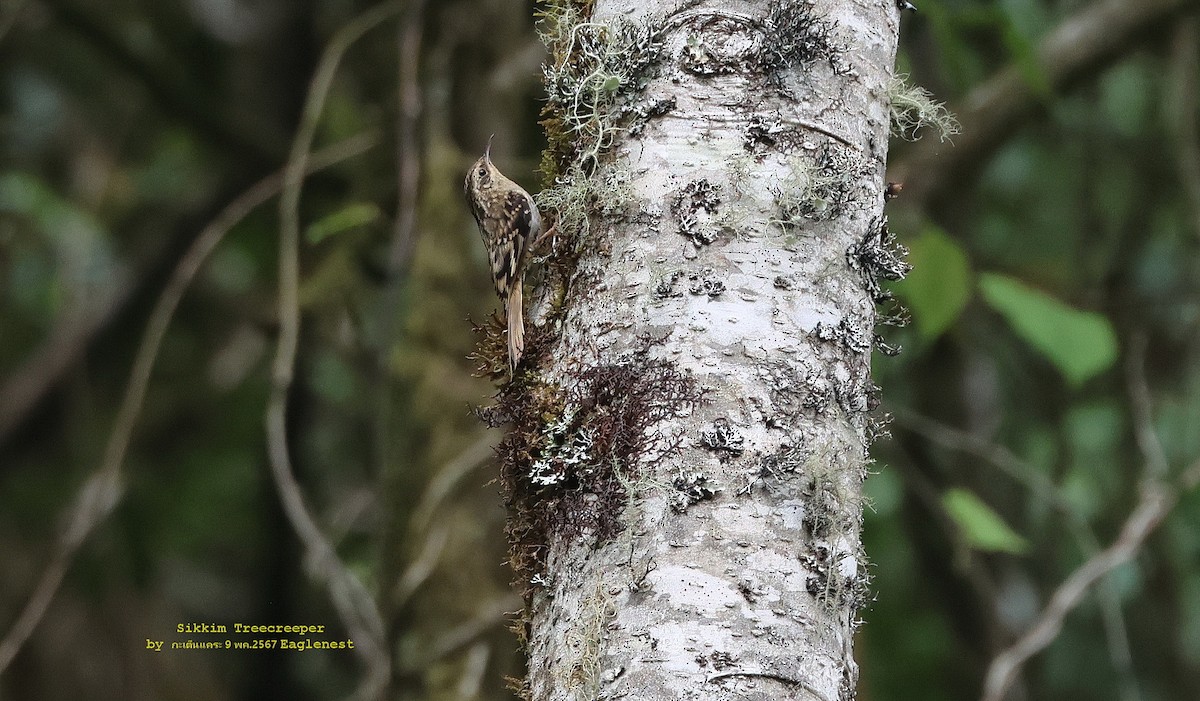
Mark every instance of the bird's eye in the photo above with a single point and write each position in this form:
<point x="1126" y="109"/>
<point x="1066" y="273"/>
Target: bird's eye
<point x="482" y="172"/>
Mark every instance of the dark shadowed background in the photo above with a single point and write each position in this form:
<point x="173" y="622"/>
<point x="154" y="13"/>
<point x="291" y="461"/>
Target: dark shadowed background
<point x="1051" y="367"/>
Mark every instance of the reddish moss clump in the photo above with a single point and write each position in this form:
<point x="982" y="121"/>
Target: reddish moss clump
<point x="573" y="448"/>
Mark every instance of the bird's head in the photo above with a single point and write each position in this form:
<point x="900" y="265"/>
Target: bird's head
<point x="483" y="173"/>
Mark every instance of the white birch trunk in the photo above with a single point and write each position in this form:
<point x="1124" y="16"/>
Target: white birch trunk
<point x="746" y="257"/>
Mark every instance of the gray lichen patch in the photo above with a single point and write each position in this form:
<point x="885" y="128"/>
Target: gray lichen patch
<point x="856" y="393"/>
<point x="839" y="580"/>
<point x="762" y="133"/>
<point x="666" y="288"/>
<point x="690" y="488"/>
<point x="706" y="283"/>
<point x="819" y="392"/>
<point x="839" y="573"/>
<point x="719" y="45"/>
<point x="800" y="37"/>
<point x="566" y="449"/>
<point x="701" y="283"/>
<point x="791" y="35"/>
<point x="775" y="468"/>
<point x="819" y="189"/>
<point x="724" y="439"/>
<point x="851" y="332"/>
<point x="847" y="383"/>
<point x="694" y="206"/>
<point x="639" y="114"/>
<point x="876" y="257"/>
<point x="787" y="282"/>
<point x="787" y="387"/>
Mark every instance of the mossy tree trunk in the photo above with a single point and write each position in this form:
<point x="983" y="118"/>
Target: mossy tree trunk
<point x="690" y="427"/>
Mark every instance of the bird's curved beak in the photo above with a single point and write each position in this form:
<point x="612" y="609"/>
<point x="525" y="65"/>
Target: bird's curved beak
<point x="487" y="152"/>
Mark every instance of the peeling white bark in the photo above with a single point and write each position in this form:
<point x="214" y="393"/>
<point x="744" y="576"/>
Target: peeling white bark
<point x="750" y="593"/>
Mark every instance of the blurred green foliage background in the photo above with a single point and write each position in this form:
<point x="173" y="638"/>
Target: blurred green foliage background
<point x="1053" y="353"/>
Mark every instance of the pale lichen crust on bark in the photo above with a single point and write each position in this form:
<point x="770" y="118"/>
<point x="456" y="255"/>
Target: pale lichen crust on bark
<point x="689" y="427"/>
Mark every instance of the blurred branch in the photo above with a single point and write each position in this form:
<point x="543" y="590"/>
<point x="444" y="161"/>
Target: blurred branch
<point x="419" y="526"/>
<point x="1158" y="497"/>
<point x="462" y="635"/>
<point x="1117" y="637"/>
<point x="101" y="493"/>
<point x="444" y="481"/>
<point x="1185" y="76"/>
<point x="1039" y="487"/>
<point x="408" y="143"/>
<point x="1156" y="501"/>
<point x="10" y="10"/>
<point x="419" y="570"/>
<point x="351" y="599"/>
<point x="474" y="668"/>
<point x="201" y="111"/>
<point x="980" y="624"/>
<point x="410" y="107"/>
<point x="1079" y="47"/>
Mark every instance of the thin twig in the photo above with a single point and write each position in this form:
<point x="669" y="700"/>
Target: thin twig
<point x="422" y="566"/>
<point x="486" y="617"/>
<point x="1141" y="405"/>
<point x="101" y="493"/>
<point x="971" y="569"/>
<point x="353" y="603"/>
<point x="1116" y="634"/>
<point x="474" y="667"/>
<point x="410" y="98"/>
<point x="1039" y="486"/>
<point x="67" y="341"/>
<point x="433" y="538"/>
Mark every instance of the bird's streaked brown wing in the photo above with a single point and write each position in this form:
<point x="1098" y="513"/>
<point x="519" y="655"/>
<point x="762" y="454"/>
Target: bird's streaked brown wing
<point x="511" y="229"/>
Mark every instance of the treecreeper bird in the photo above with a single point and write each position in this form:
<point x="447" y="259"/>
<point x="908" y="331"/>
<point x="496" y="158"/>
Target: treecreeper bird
<point x="509" y="222"/>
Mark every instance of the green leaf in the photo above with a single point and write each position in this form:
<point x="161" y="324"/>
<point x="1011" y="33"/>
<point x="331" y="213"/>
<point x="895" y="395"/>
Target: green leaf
<point x="939" y="285"/>
<point x="982" y="527"/>
<point x="1080" y="344"/>
<point x="349" y="217"/>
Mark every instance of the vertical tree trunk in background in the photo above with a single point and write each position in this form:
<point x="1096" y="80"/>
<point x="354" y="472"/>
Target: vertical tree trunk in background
<point x="685" y="469"/>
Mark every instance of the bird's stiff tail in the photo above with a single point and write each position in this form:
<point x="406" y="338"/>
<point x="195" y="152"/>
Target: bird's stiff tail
<point x="516" y="326"/>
